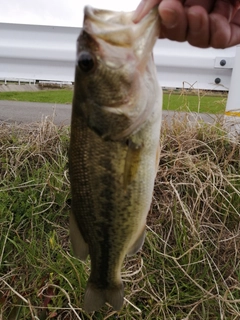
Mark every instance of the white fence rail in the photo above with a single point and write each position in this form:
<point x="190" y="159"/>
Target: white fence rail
<point x="37" y="52"/>
<point x="47" y="53"/>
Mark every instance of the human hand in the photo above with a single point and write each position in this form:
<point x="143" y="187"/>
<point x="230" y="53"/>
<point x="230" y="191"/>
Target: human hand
<point x="203" y="23"/>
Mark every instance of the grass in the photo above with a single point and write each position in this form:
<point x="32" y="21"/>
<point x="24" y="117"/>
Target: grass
<point x="199" y="102"/>
<point x="52" y="96"/>
<point x="189" y="267"/>
<point x="185" y="101"/>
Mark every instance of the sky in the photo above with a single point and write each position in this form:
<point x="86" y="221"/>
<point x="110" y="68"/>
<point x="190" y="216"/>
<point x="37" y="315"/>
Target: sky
<point x="56" y="12"/>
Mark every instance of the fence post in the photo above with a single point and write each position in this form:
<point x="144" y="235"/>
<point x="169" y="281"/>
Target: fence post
<point x="232" y="113"/>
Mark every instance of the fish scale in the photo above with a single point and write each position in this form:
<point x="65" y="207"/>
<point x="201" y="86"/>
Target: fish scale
<point x="114" y="147"/>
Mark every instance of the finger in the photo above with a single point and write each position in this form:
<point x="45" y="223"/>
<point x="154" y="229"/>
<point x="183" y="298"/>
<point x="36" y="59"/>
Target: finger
<point x="235" y="10"/>
<point x="143" y="8"/>
<point x="235" y="2"/>
<point x="236" y="17"/>
<point x="224" y="7"/>
<point x="198" y="27"/>
<point x="224" y="34"/>
<point x="208" y="5"/>
<point x="174" y="20"/>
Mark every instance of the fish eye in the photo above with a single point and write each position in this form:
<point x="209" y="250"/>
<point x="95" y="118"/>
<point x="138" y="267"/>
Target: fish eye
<point x="86" y="61"/>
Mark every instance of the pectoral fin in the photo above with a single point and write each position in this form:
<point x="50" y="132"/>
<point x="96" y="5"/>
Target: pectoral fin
<point x="80" y="247"/>
<point x="157" y="158"/>
<point x="132" y="162"/>
<point x="137" y="244"/>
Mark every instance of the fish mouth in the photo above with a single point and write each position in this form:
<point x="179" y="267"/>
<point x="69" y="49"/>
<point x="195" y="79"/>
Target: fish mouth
<point x="118" y="43"/>
<point x="117" y="29"/>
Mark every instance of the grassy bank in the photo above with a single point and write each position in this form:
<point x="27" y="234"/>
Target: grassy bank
<point x="178" y="101"/>
<point x="189" y="267"/>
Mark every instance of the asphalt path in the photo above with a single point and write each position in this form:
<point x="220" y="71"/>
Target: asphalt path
<point x="27" y="112"/>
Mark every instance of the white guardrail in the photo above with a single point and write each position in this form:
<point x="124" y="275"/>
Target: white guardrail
<point x="47" y="53"/>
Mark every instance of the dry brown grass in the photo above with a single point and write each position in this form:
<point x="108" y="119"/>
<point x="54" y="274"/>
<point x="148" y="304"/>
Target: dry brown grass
<point x="190" y="264"/>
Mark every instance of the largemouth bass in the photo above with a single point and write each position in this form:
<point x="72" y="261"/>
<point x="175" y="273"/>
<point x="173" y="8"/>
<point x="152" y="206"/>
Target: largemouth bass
<point x="114" y="146"/>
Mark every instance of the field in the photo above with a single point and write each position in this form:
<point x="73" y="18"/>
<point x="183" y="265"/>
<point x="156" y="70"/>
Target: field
<point x="178" y="100"/>
<point x="189" y="268"/>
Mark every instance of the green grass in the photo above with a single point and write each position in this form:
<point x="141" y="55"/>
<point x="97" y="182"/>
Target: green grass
<point x="201" y="103"/>
<point x="51" y="96"/>
<point x="190" y="262"/>
<point x="184" y="101"/>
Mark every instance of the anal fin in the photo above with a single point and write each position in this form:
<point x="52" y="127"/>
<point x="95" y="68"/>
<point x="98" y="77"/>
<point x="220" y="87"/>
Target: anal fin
<point x="79" y="246"/>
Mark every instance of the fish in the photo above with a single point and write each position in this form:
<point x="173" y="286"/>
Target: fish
<point x="114" y="146"/>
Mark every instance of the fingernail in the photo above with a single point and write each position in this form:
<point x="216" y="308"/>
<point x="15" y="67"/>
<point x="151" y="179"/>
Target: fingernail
<point x="195" y="23"/>
<point x="169" y="18"/>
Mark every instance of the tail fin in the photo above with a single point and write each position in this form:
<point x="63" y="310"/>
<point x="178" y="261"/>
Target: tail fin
<point x="95" y="298"/>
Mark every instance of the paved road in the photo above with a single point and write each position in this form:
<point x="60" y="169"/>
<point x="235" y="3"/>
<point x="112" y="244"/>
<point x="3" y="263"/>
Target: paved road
<point x="14" y="111"/>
